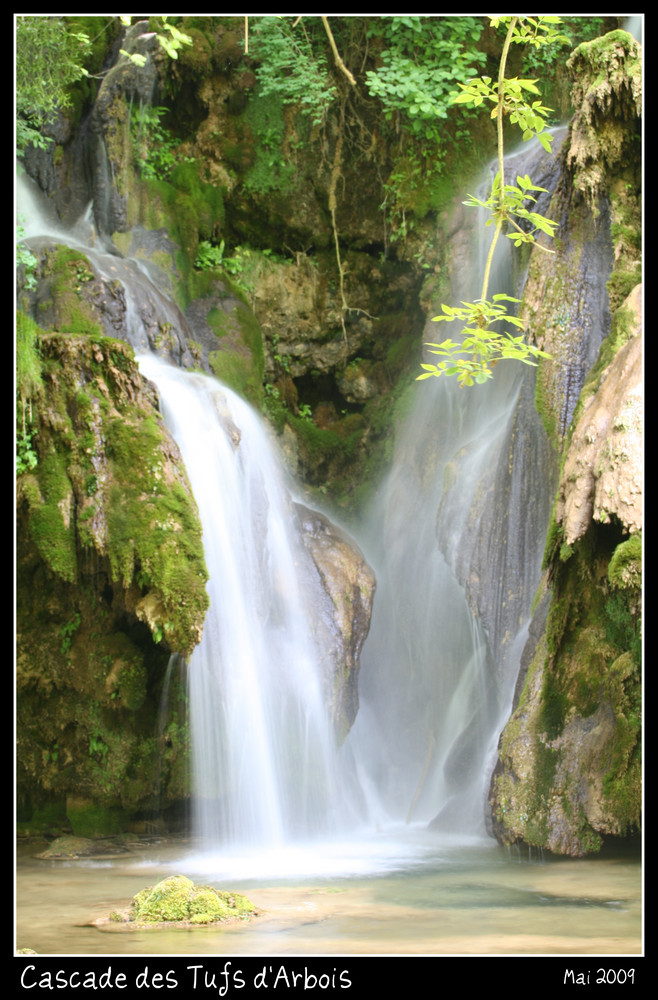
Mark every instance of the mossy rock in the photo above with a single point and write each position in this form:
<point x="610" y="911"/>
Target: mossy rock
<point x="178" y="900"/>
<point x="68" y="848"/>
<point x="90" y="819"/>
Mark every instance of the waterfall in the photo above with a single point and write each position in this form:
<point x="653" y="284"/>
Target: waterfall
<point x="265" y="759"/>
<point x="264" y="753"/>
<point x="456" y="539"/>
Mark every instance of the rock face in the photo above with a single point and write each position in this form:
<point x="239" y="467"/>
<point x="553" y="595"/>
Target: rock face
<point x="602" y="473"/>
<point x="569" y="768"/>
<point x="350" y="586"/>
<point x="111" y="582"/>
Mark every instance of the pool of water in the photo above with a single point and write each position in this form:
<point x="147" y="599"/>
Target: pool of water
<point x="400" y="893"/>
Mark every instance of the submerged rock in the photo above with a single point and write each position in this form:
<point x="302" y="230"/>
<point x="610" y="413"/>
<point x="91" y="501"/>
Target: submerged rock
<point x="68" y="848"/>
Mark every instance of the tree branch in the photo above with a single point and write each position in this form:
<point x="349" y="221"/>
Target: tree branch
<point x="339" y="62"/>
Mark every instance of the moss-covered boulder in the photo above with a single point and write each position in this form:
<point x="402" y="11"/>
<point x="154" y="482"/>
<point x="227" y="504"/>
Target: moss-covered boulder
<point x="607" y="96"/>
<point x="178" y="900"/>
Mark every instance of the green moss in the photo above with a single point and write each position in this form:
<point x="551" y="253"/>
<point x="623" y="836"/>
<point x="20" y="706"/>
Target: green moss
<point x="622" y="282"/>
<point x="123" y="241"/>
<point x="625" y="568"/>
<point x="51" y="506"/>
<point x="269" y="170"/>
<point x="28" y="357"/>
<point x="190" y="209"/>
<point x="69" y="270"/>
<point x="252" y="337"/>
<point x="178" y="900"/>
<point x="93" y="819"/>
<point x="218" y="321"/>
<point x="153" y="528"/>
<point x="236" y="372"/>
<point x="622" y="626"/>
<point x="240" y="365"/>
<point x="121" y="670"/>
<point x="554" y="707"/>
<point x="48" y="818"/>
<point x="107" y="481"/>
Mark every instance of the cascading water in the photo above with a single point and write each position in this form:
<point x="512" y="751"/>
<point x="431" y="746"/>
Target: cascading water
<point x="264" y="754"/>
<point x="264" y="750"/>
<point x="457" y="535"/>
<point x="456" y="547"/>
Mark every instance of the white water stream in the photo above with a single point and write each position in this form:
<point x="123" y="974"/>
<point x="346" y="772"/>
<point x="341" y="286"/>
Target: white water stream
<point x="264" y="753"/>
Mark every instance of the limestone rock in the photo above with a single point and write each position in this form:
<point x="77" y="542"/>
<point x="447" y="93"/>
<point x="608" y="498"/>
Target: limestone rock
<point x="602" y="475"/>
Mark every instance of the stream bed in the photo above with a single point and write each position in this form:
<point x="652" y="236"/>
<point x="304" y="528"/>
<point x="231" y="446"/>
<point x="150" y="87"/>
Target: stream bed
<point x="399" y="893"/>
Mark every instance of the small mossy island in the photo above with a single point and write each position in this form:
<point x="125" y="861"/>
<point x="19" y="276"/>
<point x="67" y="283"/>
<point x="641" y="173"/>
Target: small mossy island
<point x="177" y="900"/>
<point x="258" y="214"/>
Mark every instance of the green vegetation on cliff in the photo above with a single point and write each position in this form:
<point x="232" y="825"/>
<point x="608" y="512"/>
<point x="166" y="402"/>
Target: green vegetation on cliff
<point x="111" y="581"/>
<point x="50" y="57"/>
<point x="106" y="482"/>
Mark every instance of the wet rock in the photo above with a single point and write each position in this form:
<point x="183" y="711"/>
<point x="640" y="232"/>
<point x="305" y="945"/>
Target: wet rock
<point x="67" y="848"/>
<point x="350" y="586"/>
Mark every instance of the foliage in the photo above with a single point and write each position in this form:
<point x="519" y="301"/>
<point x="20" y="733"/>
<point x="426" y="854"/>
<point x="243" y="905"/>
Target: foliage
<point x="244" y="266"/>
<point x="28" y="386"/>
<point x="529" y="118"/>
<point x="540" y="59"/>
<point x="209" y="256"/>
<point x="155" y="147"/>
<point x="292" y="66"/>
<point x="169" y="36"/>
<point x="26" y="259"/>
<point x="49" y="59"/>
<point x="67" y="631"/>
<point x="423" y="60"/>
<point x="482" y="346"/>
<point x="27" y="458"/>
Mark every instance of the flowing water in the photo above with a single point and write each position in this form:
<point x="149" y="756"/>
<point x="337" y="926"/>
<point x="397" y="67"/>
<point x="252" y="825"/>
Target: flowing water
<point x="455" y="538"/>
<point x="401" y="893"/>
<point x="264" y="752"/>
